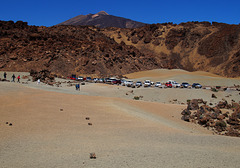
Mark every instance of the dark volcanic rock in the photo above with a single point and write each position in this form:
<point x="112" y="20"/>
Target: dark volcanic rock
<point x="212" y="117"/>
<point x="44" y="76"/>
<point x="186" y="115"/>
<point x="223" y="104"/>
<point x="193" y="104"/>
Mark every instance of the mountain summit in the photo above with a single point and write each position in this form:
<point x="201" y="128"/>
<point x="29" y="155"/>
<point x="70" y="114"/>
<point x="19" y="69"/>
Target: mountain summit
<point x="102" y="20"/>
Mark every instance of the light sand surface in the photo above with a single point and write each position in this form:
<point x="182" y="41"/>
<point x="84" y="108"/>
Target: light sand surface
<point x="124" y="132"/>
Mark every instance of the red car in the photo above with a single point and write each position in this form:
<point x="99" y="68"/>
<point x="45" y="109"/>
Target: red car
<point x="168" y="84"/>
<point x="116" y="82"/>
<point x="73" y="77"/>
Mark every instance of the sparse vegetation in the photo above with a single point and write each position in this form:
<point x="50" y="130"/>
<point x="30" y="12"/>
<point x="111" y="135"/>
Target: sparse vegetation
<point x="137" y="97"/>
<point x="214" y="90"/>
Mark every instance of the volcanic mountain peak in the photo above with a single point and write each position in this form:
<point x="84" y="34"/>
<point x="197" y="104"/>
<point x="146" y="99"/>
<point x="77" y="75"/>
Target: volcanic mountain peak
<point x="102" y="19"/>
<point x="100" y="13"/>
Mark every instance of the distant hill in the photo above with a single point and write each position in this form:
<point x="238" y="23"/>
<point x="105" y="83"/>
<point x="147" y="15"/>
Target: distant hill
<point x="102" y="20"/>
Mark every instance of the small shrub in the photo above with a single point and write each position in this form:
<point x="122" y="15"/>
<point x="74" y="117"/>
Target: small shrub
<point x="214" y="90"/>
<point x="136" y="98"/>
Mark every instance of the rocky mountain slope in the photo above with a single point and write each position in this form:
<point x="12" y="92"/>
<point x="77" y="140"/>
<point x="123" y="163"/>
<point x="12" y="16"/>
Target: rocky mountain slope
<point x="115" y="51"/>
<point x="102" y="20"/>
<point x="64" y="50"/>
<point x="192" y="46"/>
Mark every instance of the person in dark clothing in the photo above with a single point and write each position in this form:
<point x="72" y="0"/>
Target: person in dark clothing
<point x="5" y="75"/>
<point x="77" y="87"/>
<point x="13" y="78"/>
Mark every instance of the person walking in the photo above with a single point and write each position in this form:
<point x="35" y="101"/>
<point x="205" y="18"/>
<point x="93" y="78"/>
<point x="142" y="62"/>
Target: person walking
<point x="5" y="75"/>
<point x="13" y="78"/>
<point x="18" y="78"/>
<point x="77" y="87"/>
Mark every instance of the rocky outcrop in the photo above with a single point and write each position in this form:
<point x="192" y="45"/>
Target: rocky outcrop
<point x="45" y="76"/>
<point x="213" y="118"/>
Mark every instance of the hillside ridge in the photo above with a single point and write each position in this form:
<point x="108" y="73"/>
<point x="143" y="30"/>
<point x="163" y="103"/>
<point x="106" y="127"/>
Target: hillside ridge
<point x="63" y="50"/>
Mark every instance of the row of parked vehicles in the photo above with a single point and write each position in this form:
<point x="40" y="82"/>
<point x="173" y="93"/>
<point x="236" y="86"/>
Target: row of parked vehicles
<point x="130" y="83"/>
<point x="168" y="84"/>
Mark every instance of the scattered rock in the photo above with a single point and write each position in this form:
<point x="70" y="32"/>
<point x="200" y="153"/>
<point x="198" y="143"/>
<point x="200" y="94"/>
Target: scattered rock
<point x="193" y="104"/>
<point x="214" y="96"/>
<point x="93" y="156"/>
<point x="223" y="104"/>
<point x="186" y="115"/>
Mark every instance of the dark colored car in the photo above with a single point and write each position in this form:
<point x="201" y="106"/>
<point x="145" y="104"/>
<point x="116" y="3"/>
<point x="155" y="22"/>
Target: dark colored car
<point x="185" y="84"/>
<point x="116" y="81"/>
<point x="196" y="85"/>
<point x="88" y="79"/>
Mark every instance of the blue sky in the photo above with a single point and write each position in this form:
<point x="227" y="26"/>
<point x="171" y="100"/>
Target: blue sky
<point x="52" y="12"/>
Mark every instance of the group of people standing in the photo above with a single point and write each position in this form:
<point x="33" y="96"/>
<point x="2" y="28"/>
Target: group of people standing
<point x="13" y="77"/>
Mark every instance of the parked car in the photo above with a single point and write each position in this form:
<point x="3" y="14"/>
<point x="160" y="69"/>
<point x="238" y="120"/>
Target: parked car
<point x="158" y="84"/>
<point x="196" y="85"/>
<point x="110" y="80"/>
<point x="95" y="80"/>
<point x="129" y="83"/>
<point x="168" y="84"/>
<point x="185" y="84"/>
<point x="116" y="81"/>
<point x="138" y="83"/>
<point x="147" y="83"/>
<point x="88" y="79"/>
<point x="72" y="77"/>
<point x="123" y="82"/>
<point x="173" y="83"/>
<point x="101" y="80"/>
<point x="80" y="78"/>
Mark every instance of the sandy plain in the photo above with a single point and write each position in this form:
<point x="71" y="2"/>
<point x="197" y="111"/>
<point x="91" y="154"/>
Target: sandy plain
<point x="49" y="126"/>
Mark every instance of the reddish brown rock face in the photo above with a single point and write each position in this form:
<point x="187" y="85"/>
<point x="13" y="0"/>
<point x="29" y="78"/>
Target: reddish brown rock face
<point x="65" y="50"/>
